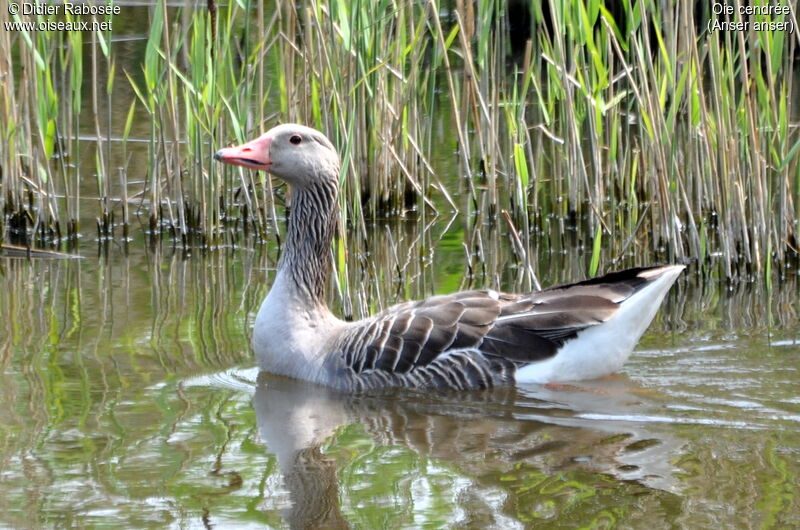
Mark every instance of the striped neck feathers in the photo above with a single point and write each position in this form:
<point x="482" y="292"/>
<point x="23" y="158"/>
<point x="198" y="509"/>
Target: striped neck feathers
<point x="306" y="258"/>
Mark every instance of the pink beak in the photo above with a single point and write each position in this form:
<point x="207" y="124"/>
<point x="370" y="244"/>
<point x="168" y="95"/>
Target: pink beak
<point x="253" y="155"/>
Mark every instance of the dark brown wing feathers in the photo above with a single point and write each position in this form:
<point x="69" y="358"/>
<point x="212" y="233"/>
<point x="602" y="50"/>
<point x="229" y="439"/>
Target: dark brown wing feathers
<point x="476" y="338"/>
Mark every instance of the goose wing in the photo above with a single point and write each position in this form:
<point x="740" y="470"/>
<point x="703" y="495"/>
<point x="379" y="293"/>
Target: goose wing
<point x="406" y="336"/>
<point x="475" y="338"/>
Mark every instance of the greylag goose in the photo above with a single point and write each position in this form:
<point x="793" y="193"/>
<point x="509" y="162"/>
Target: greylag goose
<point x="468" y="340"/>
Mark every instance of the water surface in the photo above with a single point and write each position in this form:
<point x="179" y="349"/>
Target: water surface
<point x="128" y="399"/>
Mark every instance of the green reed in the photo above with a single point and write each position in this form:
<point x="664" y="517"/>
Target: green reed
<point x="628" y="129"/>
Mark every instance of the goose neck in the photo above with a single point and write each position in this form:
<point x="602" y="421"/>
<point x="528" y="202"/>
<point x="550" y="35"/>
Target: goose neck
<point x="306" y="257"/>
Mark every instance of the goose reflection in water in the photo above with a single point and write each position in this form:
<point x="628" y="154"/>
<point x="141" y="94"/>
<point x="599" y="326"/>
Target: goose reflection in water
<point x="483" y="434"/>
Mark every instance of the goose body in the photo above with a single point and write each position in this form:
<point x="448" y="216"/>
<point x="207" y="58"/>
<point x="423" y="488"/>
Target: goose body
<point x="466" y="340"/>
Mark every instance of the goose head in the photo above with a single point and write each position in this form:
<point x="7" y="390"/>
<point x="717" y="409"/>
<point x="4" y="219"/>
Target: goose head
<point x="297" y="154"/>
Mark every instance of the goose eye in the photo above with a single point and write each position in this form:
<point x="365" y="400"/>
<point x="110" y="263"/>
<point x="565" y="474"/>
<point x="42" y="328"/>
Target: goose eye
<point x="296" y="139"/>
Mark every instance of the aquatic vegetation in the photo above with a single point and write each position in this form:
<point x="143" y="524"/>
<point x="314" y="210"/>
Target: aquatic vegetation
<point x="636" y="130"/>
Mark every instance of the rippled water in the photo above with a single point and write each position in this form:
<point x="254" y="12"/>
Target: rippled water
<point x="128" y="398"/>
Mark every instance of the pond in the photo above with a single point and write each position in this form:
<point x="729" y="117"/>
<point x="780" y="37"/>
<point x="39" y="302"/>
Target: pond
<point x="128" y="398"/>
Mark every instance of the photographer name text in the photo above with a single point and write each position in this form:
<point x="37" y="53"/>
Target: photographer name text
<point x="66" y="8"/>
